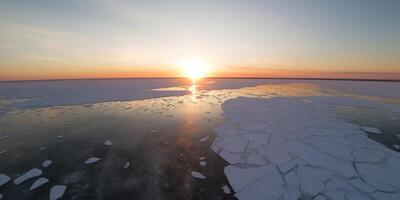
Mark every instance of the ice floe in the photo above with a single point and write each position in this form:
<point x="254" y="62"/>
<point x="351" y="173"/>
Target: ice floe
<point x="226" y="189"/>
<point x="28" y="175"/>
<point x="39" y="182"/>
<point x="286" y="148"/>
<point x="46" y="163"/>
<point x="92" y="160"/>
<point x="204" y="139"/>
<point x="4" y="179"/>
<point x="203" y="163"/>
<point x="198" y="175"/>
<point x="373" y="130"/>
<point x="57" y="191"/>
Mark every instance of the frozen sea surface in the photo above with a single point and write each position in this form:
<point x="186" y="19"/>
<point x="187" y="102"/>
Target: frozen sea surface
<point x="153" y="138"/>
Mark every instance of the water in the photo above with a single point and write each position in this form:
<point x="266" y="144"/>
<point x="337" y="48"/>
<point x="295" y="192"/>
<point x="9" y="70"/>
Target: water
<point x="158" y="133"/>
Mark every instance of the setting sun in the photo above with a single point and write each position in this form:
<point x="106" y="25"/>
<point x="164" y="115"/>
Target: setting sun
<point x="194" y="68"/>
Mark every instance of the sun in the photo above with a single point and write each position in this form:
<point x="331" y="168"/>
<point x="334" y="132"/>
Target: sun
<point x="194" y="69"/>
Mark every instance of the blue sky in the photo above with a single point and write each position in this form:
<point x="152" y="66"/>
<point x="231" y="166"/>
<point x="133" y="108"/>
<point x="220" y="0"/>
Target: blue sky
<point x="72" y="37"/>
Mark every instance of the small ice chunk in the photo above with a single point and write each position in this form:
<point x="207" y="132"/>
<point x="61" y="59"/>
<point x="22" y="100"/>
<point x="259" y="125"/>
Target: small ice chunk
<point x="38" y="183"/>
<point x="42" y="148"/>
<point x="5" y="137"/>
<point x="202" y="158"/>
<point x="57" y="191"/>
<point x="4" y="179"/>
<point x="1" y="196"/>
<point x="46" y="163"/>
<point x="153" y="131"/>
<point x="127" y="164"/>
<point x="204" y="139"/>
<point x="92" y="160"/>
<point x="1" y="152"/>
<point x="28" y="175"/>
<point x="203" y="163"/>
<point x="369" y="129"/>
<point x="226" y="189"/>
<point x="397" y="147"/>
<point x="198" y="175"/>
<point x="108" y="143"/>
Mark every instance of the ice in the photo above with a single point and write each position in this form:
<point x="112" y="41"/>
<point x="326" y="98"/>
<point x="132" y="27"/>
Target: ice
<point x="319" y="155"/>
<point x="275" y="154"/>
<point x="386" y="196"/>
<point x="255" y="159"/>
<point x="234" y="144"/>
<point x="269" y="186"/>
<point x="204" y="139"/>
<point x="292" y="194"/>
<point x="46" y="163"/>
<point x="153" y="131"/>
<point x="356" y="196"/>
<point x="202" y="158"/>
<point x="108" y="143"/>
<point x="39" y="182"/>
<point x="226" y="189"/>
<point x="28" y="175"/>
<point x="240" y="178"/>
<point x="198" y="175"/>
<point x="231" y="158"/>
<point x="368" y="129"/>
<point x="367" y="155"/>
<point x="360" y="184"/>
<point x="127" y="164"/>
<point x="47" y="93"/>
<point x="92" y="160"/>
<point x="203" y="163"/>
<point x="4" y="179"/>
<point x="319" y="197"/>
<point x="57" y="191"/>
<point x="320" y="159"/>
<point x="312" y="179"/>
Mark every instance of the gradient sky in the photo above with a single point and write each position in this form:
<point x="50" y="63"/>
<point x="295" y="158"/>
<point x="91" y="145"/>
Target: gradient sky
<point x="89" y="39"/>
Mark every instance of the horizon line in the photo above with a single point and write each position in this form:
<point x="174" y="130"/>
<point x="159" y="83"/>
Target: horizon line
<point x="211" y="77"/>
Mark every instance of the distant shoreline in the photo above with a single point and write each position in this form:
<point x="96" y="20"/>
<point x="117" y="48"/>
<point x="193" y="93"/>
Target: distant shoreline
<point x="271" y="78"/>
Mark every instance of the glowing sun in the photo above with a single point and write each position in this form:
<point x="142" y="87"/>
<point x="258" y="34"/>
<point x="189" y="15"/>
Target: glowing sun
<point x="194" y="69"/>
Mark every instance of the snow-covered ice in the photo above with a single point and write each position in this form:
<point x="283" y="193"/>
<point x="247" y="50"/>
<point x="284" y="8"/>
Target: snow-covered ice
<point x="28" y="175"/>
<point x="92" y="160"/>
<point x="204" y="139"/>
<point x="46" y="163"/>
<point x="4" y="179"/>
<point x="226" y="189"/>
<point x="368" y="129"/>
<point x="198" y="175"/>
<point x="39" y="182"/>
<point x="203" y="163"/>
<point x="57" y="191"/>
<point x="292" y="147"/>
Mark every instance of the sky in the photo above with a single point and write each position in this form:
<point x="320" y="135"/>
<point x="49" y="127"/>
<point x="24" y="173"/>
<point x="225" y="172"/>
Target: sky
<point x="56" y="39"/>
